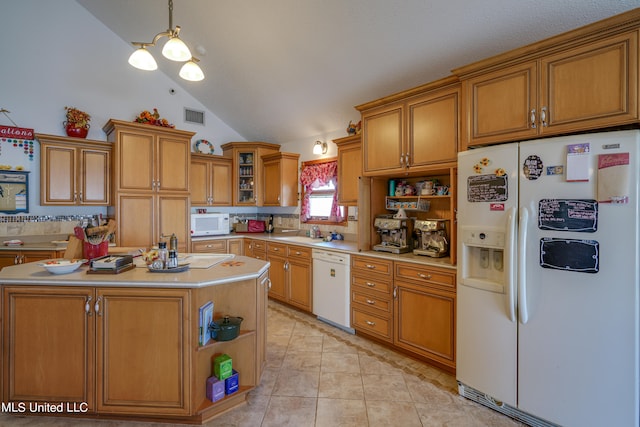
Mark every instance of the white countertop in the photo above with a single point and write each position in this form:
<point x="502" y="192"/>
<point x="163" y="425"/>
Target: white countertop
<point x="33" y="274"/>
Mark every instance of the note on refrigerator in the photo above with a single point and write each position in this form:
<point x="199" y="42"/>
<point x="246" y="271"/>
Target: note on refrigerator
<point x="613" y="178"/>
<point x="578" y="159"/>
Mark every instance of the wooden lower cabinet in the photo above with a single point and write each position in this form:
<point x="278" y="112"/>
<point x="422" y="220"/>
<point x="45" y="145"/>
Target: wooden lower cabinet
<point x="255" y="248"/>
<point x="407" y="305"/>
<point x="8" y="258"/>
<point x="291" y="275"/>
<point x="217" y="246"/>
<point x="128" y="352"/>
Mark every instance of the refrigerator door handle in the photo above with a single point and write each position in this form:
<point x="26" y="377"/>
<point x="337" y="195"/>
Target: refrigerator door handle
<point x="522" y="272"/>
<point x="510" y="263"/>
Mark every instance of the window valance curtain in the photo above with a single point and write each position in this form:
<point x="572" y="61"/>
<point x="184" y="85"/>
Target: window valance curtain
<point x="318" y="175"/>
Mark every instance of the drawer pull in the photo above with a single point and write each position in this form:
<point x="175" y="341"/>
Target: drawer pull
<point x="371" y="267"/>
<point x="276" y="249"/>
<point x="370" y="323"/>
<point x="371" y="285"/>
<point x="298" y="253"/>
<point x="370" y="302"/>
<point x="424" y="276"/>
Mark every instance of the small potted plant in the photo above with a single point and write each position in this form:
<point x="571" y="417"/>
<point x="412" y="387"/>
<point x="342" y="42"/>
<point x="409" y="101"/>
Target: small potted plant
<point x="77" y="123"/>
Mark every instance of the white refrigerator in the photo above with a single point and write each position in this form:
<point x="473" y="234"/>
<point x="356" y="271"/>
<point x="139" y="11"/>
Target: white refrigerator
<point x="548" y="271"/>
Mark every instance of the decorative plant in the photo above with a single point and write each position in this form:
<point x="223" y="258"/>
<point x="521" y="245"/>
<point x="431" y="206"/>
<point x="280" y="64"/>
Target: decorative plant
<point x="153" y="119"/>
<point x="77" y="118"/>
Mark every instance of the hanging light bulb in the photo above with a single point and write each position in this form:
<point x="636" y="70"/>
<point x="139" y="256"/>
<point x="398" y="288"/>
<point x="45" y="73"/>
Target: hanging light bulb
<point x="175" y="49"/>
<point x="143" y="60"/>
<point x="191" y="71"/>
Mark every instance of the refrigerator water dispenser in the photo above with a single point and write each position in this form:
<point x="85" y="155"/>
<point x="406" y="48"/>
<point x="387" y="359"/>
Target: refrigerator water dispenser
<point x="483" y="262"/>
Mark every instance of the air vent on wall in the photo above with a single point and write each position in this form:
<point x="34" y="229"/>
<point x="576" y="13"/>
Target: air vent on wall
<point x="193" y="116"/>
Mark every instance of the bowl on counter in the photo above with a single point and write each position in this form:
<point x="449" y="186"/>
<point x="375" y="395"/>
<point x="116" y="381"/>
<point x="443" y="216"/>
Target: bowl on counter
<point x="61" y="266"/>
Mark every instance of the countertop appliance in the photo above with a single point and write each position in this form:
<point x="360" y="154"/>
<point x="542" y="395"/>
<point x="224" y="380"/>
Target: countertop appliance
<point x="331" y="288"/>
<point x="432" y="237"/>
<point x="209" y="224"/>
<point x="548" y="282"/>
<point x="394" y="234"/>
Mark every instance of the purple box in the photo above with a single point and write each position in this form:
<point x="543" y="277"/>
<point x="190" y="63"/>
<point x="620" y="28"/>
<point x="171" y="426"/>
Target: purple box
<point x="231" y="384"/>
<point x="215" y="389"/>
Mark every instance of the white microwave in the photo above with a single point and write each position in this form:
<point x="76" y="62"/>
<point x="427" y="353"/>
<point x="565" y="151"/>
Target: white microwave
<point x="209" y="224"/>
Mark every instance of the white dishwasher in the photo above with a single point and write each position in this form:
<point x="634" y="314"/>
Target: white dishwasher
<point x="331" y="288"/>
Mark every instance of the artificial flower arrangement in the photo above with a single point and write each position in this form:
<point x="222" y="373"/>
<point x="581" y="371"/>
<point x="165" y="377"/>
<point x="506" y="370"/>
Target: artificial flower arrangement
<point x="77" y="118"/>
<point x="153" y="119"/>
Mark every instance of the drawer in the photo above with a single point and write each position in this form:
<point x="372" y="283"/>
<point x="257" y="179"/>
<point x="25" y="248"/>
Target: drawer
<point x="215" y="246"/>
<point x="260" y="255"/>
<point x="372" y="284"/>
<point x="372" y="265"/>
<point x="372" y="301"/>
<point x="299" y="252"/>
<point x="258" y="245"/>
<point x="375" y="325"/>
<point x="277" y="249"/>
<point x="426" y="275"/>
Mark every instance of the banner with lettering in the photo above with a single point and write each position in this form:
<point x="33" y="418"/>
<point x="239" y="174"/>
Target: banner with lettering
<point x="19" y="138"/>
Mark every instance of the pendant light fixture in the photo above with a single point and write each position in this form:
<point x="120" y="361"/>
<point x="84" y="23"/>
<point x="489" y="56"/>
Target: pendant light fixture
<point x="174" y="49"/>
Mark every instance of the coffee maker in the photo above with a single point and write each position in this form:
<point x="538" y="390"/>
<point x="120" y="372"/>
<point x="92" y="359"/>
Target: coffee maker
<point x="395" y="234"/>
<point x="432" y="238"/>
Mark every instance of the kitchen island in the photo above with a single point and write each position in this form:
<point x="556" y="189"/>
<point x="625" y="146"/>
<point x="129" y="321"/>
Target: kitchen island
<point x="126" y="346"/>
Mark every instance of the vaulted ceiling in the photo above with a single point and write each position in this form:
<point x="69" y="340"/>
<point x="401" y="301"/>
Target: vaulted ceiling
<point x="286" y="70"/>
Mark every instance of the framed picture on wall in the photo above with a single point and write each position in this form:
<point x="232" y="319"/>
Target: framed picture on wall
<point x="14" y="191"/>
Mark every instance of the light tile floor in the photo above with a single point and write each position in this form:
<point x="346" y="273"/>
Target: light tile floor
<point x="318" y="375"/>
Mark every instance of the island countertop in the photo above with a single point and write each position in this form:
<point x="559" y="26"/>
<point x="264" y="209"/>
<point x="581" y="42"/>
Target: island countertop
<point x="225" y="270"/>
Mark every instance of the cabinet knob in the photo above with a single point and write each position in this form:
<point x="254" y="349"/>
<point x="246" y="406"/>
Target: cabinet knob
<point x="370" y="323"/>
<point x="543" y="116"/>
<point x="96" y="307"/>
<point x="532" y="118"/>
<point x="370" y="302"/>
<point x="87" y="306"/>
<point x="424" y="276"/>
<point x="371" y="267"/>
<point x="371" y="285"/>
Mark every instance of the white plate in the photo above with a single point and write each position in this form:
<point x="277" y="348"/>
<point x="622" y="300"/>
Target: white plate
<point x="204" y="146"/>
<point x="61" y="266"/>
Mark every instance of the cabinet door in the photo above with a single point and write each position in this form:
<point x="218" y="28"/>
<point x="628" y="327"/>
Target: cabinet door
<point x="136" y="218"/>
<point x="382" y="143"/>
<point x="278" y="276"/>
<point x="172" y="159"/>
<point x="94" y="177"/>
<point x="57" y="180"/>
<point x="235" y="246"/>
<point x="349" y="173"/>
<point x="8" y="258"/>
<point x="131" y="378"/>
<point x="300" y="292"/>
<point x="48" y="344"/>
<point x="200" y="183"/>
<point x="245" y="177"/>
<point x="434" y="128"/>
<point x="221" y="183"/>
<point x="591" y="86"/>
<point x="174" y="218"/>
<point x="135" y="161"/>
<point x="32" y="256"/>
<point x="500" y="105"/>
<point x="272" y="183"/>
<point x="424" y="322"/>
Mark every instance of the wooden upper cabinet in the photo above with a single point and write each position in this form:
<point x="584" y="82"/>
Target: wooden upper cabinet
<point x="149" y="158"/>
<point x="74" y="171"/>
<point x="412" y="131"/>
<point x="557" y="86"/>
<point x="247" y="187"/>
<point x="210" y="180"/>
<point x="590" y="86"/>
<point x="280" y="178"/>
<point x="349" y="168"/>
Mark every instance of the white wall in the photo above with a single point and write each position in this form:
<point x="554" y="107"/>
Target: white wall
<point x="55" y="54"/>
